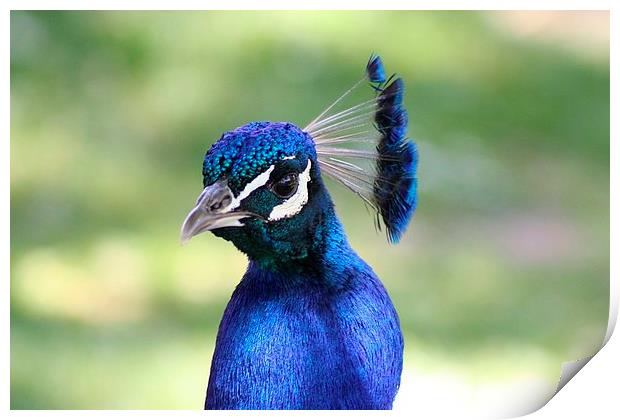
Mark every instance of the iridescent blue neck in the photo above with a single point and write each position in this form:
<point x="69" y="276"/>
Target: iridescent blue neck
<point x="320" y="333"/>
<point x="326" y="253"/>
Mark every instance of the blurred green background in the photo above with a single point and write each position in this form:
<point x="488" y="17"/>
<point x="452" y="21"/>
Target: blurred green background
<point x="503" y="274"/>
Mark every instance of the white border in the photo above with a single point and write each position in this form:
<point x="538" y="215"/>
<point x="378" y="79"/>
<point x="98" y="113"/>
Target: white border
<point x="310" y="5"/>
<point x="592" y="393"/>
<point x="5" y="208"/>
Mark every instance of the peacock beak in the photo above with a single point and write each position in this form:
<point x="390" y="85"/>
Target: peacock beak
<point x="215" y="208"/>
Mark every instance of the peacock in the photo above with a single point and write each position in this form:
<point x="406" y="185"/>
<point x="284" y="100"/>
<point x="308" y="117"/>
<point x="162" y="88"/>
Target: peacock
<point x="310" y="325"/>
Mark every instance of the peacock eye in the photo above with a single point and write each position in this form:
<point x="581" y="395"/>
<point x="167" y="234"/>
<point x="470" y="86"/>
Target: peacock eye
<point x="286" y="186"/>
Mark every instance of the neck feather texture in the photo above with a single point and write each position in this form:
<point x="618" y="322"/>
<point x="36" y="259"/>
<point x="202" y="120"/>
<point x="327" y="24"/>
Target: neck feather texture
<point x="321" y="335"/>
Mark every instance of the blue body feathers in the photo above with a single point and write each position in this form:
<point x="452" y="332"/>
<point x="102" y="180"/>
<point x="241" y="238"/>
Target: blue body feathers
<point x="328" y="338"/>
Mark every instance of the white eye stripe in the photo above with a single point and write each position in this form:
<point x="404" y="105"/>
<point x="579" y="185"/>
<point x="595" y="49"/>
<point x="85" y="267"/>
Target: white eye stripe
<point x="253" y="185"/>
<point x="297" y="201"/>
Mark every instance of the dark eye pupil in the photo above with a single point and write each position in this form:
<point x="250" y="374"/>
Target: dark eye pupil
<point x="286" y="186"/>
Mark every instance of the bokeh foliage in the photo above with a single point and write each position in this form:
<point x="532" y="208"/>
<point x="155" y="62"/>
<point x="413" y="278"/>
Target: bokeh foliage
<point x="503" y="272"/>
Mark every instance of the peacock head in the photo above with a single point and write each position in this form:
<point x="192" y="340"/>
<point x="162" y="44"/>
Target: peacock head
<point x="262" y="182"/>
<point x="263" y="191"/>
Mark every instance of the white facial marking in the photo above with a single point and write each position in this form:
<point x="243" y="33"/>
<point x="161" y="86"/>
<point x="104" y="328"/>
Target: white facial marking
<point x="253" y="185"/>
<point x="296" y="202"/>
<point x="288" y="158"/>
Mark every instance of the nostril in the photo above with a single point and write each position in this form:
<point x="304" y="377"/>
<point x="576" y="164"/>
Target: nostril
<point x="218" y="201"/>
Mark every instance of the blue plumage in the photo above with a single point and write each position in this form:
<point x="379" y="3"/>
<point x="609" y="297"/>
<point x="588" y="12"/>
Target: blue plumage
<point x="390" y="187"/>
<point x="325" y="338"/>
<point x="395" y="187"/>
<point x="310" y="326"/>
<point x="375" y="70"/>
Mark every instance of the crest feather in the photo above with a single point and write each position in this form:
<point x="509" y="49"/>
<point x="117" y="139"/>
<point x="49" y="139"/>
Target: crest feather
<point x="384" y="176"/>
